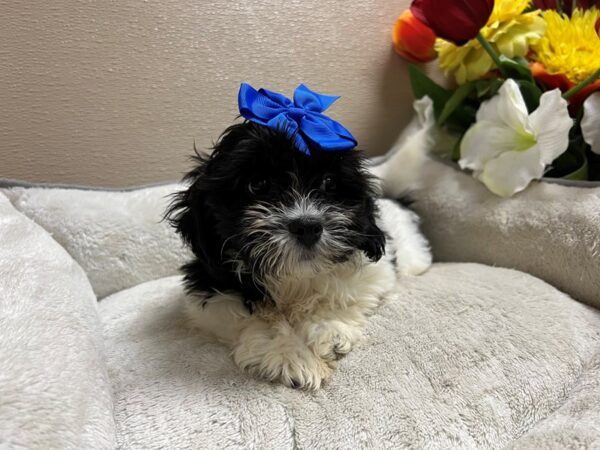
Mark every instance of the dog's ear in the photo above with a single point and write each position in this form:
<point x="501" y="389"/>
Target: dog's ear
<point x="373" y="243"/>
<point x="190" y="216"/>
<point x="185" y="214"/>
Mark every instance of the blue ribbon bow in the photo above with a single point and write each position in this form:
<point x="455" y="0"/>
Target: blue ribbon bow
<point x="302" y="119"/>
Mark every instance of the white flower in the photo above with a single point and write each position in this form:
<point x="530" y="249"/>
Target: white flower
<point x="507" y="148"/>
<point x="590" y="123"/>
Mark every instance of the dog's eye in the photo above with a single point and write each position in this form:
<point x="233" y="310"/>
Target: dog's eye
<point x="258" y="186"/>
<point x="328" y="184"/>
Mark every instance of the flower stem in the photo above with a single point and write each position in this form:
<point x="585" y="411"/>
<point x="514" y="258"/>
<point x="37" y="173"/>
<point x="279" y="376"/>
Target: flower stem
<point x="585" y="83"/>
<point x="490" y="51"/>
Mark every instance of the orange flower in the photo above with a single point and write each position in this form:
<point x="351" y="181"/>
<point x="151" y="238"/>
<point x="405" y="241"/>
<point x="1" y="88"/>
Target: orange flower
<point x="552" y="81"/>
<point x="560" y="81"/>
<point x="413" y="39"/>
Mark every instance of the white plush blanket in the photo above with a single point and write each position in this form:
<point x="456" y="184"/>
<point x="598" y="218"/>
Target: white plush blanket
<point x="470" y="356"/>
<point x="54" y="387"/>
<point x="118" y="238"/>
<point x="550" y="230"/>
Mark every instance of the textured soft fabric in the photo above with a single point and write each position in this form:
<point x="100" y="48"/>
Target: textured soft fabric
<point x="549" y="230"/>
<point x="575" y="424"/>
<point x="469" y="356"/>
<point x="119" y="238"/>
<point x="54" y="388"/>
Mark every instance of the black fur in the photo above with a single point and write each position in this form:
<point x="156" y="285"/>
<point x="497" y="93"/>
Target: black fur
<point x="208" y="214"/>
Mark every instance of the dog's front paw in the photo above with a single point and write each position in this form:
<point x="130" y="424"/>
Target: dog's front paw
<point x="280" y="357"/>
<point x="332" y="339"/>
<point x="414" y="259"/>
<point x="416" y="267"/>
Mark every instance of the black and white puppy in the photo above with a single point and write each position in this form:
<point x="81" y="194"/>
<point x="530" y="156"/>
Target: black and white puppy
<point x="292" y="252"/>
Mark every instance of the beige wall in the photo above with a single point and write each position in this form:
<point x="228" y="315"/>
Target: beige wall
<point x="113" y="93"/>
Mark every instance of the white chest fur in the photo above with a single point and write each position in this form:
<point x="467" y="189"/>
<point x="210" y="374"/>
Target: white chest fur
<point x="355" y="285"/>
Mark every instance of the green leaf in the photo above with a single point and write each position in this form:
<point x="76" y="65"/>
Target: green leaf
<point x="572" y="164"/>
<point x="455" y="100"/>
<point x="422" y="85"/>
<point x="462" y="118"/>
<point x="456" y="149"/>
<point x="513" y="69"/>
<point x="487" y="88"/>
<point x="531" y="94"/>
<point x="580" y="174"/>
<point x="522" y="61"/>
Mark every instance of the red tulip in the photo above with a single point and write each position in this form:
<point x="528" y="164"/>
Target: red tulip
<point x="457" y="21"/>
<point x="413" y="39"/>
<point x="545" y="4"/>
<point x="566" y="6"/>
<point x="587" y="4"/>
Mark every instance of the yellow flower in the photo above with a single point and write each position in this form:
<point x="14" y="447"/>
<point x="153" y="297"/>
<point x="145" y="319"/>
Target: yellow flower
<point x="509" y="30"/>
<point x="570" y="46"/>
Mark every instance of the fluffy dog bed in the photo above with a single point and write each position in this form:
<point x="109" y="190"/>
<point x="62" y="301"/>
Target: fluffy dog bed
<point x="468" y="356"/>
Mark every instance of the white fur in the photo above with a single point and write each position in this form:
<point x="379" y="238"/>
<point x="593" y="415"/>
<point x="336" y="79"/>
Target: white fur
<point x="410" y="246"/>
<point x="319" y="316"/>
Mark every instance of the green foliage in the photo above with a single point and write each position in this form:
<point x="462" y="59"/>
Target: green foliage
<point x="518" y="70"/>
<point x="447" y="105"/>
<point x="456" y="111"/>
<point x="573" y="163"/>
<point x="455" y="101"/>
<point x="422" y="85"/>
<point x="456" y="149"/>
<point x="487" y="88"/>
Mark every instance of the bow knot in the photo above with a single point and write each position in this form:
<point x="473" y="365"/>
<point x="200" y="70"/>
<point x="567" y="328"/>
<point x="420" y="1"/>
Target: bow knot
<point x="302" y="118"/>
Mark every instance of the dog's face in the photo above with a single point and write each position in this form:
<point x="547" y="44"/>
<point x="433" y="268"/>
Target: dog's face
<point x="260" y="207"/>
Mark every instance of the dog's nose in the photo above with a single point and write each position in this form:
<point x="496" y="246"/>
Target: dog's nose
<point x="307" y="231"/>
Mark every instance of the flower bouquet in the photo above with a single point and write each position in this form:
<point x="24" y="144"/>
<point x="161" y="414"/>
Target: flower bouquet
<point x="521" y="99"/>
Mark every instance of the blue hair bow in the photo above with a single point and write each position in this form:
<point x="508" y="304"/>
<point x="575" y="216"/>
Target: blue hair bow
<point x="302" y="118"/>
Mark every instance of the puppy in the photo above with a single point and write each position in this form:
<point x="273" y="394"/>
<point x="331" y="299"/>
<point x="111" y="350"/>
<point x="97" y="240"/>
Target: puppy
<point x="293" y="252"/>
